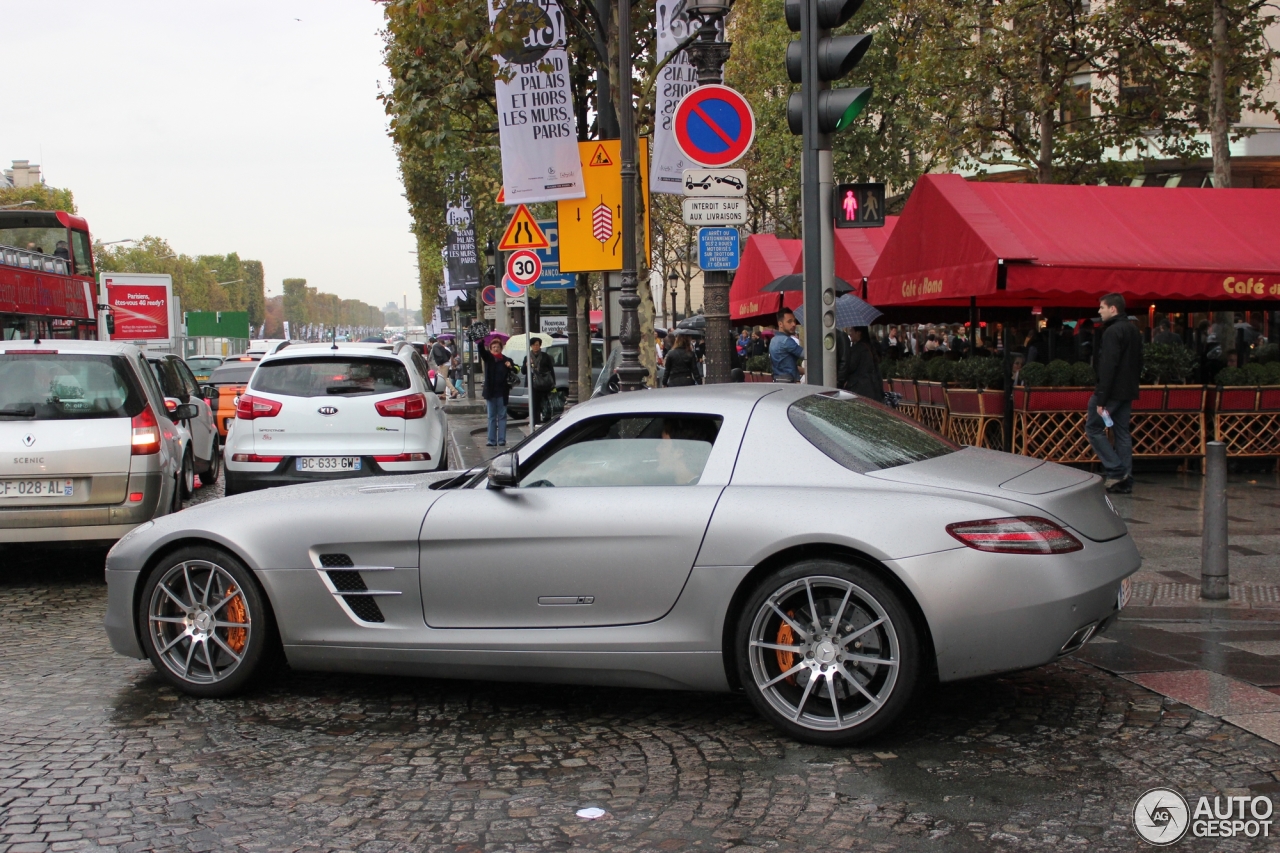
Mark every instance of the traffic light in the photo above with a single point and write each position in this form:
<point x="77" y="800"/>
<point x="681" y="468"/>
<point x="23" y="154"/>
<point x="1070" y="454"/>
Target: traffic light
<point x="816" y="59"/>
<point x="858" y="205"/>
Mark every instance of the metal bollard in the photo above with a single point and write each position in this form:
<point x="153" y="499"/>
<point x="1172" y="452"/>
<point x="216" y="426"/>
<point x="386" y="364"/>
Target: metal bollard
<point x="1214" y="571"/>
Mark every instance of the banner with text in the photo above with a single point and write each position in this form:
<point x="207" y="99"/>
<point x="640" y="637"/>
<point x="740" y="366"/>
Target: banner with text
<point x="677" y="79"/>
<point x="536" y="123"/>
<point x="462" y="259"/>
<point x="142" y="304"/>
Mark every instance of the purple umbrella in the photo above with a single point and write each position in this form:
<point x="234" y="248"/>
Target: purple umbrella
<point x="447" y="336"/>
<point x="495" y="336"/>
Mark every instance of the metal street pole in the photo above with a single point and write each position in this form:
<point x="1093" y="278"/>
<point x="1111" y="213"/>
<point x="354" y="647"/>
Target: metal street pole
<point x="631" y="373"/>
<point x="709" y="56"/>
<point x="811" y="201"/>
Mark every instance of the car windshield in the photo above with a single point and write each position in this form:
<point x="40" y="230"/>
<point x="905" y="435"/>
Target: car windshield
<point x="329" y="376"/>
<point x="233" y="373"/>
<point x="864" y="436"/>
<point x="62" y="386"/>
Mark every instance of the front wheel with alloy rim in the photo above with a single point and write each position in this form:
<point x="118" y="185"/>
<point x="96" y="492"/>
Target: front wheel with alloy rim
<point x="205" y="623"/>
<point x="827" y="652"/>
<point x="187" y="477"/>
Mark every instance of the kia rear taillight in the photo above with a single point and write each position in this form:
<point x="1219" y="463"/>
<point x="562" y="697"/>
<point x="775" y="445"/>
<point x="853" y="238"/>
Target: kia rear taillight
<point x="253" y="457"/>
<point x="1024" y="535"/>
<point x="146" y="433"/>
<point x="249" y="407"/>
<point x="409" y="407"/>
<point x="404" y="457"/>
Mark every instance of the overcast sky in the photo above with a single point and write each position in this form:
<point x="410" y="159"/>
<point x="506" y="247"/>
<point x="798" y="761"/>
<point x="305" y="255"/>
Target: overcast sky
<point x="248" y="126"/>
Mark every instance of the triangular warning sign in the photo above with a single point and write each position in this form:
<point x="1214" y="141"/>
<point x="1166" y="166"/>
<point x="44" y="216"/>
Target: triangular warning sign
<point x="523" y="233"/>
<point x="502" y="196"/>
<point x="600" y="157"/>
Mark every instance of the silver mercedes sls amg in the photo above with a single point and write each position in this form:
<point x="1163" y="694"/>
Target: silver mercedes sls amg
<point x="818" y="552"/>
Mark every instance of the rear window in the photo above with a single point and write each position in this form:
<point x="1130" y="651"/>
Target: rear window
<point x="67" y="387"/>
<point x="233" y="373"/>
<point x="202" y="364"/>
<point x="863" y="436"/>
<point x="327" y="376"/>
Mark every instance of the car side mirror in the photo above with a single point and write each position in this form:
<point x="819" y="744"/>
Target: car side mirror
<point x="209" y="392"/>
<point x="503" y="471"/>
<point x="184" y="412"/>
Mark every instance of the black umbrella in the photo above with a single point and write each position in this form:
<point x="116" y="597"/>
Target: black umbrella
<point x="697" y="321"/>
<point x="795" y="281"/>
<point x="850" y="312"/>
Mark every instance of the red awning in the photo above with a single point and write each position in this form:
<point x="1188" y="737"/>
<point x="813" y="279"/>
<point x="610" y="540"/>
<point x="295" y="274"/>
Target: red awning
<point x="1068" y="245"/>
<point x="858" y="249"/>
<point x="764" y="259"/>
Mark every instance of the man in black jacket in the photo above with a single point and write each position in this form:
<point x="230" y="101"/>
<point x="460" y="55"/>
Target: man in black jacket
<point x="1118" y="363"/>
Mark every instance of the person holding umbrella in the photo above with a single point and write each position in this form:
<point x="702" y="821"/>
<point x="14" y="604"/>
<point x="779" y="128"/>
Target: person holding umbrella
<point x="862" y="374"/>
<point x="498" y="374"/>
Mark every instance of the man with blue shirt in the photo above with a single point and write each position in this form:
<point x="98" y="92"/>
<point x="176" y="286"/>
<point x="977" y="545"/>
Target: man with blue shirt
<point x="784" y="352"/>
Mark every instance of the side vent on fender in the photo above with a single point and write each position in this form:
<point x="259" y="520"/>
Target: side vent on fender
<point x="361" y="604"/>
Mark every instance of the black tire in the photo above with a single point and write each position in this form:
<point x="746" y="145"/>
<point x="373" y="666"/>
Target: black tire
<point x="874" y="625"/>
<point x="215" y="466"/>
<point x="175" y="502"/>
<point x="208" y="589"/>
<point x="186" y="476"/>
<point x="231" y="485"/>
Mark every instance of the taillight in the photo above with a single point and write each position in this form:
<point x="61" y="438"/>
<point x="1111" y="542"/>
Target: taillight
<point x="249" y="407"/>
<point x="404" y="457"/>
<point x="409" y="407"/>
<point x="146" y="433"/>
<point x="253" y="457"/>
<point x="1024" y="535"/>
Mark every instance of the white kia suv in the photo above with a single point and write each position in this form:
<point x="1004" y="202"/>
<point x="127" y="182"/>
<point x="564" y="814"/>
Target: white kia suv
<point x="315" y="412"/>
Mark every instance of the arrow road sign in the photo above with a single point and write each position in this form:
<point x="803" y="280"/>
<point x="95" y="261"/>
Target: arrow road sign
<point x="714" y="125"/>
<point x="552" y="278"/>
<point x="731" y="183"/>
<point x="715" y="211"/>
<point x="524" y="267"/>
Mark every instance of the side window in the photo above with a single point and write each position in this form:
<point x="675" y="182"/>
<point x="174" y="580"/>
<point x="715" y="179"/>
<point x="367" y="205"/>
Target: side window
<point x="149" y="379"/>
<point x="80" y="253"/>
<point x="419" y="365"/>
<point x="636" y="450"/>
<point x="188" y="378"/>
<point x="559" y="356"/>
<point x="597" y="355"/>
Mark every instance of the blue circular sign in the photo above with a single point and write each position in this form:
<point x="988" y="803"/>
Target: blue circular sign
<point x="714" y="125"/>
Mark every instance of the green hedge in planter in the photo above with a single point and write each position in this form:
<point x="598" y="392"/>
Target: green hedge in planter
<point x="979" y="373"/>
<point x="939" y="370"/>
<point x="1268" y="354"/>
<point x="1166" y="364"/>
<point x="759" y="364"/>
<point x="1252" y="373"/>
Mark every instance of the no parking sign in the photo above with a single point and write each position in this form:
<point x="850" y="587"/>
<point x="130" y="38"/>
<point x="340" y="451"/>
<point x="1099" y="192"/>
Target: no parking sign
<point x="714" y="125"/>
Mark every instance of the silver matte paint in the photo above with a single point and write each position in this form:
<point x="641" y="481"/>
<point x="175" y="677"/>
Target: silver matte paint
<point x="468" y="607"/>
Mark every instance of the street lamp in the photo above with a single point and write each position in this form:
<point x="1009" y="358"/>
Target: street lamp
<point x="709" y="56"/>
<point x="27" y="203"/>
<point x="114" y="242"/>
<point x="674" y="278"/>
<point x="234" y="281"/>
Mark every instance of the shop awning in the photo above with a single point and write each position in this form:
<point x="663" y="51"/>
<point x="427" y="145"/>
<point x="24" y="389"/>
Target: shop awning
<point x="764" y="258"/>
<point x="1055" y="245"/>
<point x="767" y="258"/>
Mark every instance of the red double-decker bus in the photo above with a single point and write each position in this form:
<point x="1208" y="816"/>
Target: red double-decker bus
<point x="47" y="287"/>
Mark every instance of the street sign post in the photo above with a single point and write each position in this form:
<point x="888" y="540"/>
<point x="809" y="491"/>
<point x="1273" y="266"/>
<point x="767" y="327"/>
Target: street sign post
<point x="718" y="249"/>
<point x="715" y="211"/>
<point x="714" y="125"/>
<point x="524" y="267"/>
<point x="720" y="183"/>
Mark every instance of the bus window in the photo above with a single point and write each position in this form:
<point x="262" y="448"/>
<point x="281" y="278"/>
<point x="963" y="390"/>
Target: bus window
<point x="80" y="249"/>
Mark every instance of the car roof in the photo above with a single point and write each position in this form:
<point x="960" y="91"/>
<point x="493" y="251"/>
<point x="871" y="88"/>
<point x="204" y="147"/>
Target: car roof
<point x="698" y="398"/>
<point x="341" y="348"/>
<point x="63" y="345"/>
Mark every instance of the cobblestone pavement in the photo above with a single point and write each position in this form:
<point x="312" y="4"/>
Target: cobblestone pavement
<point x="97" y="753"/>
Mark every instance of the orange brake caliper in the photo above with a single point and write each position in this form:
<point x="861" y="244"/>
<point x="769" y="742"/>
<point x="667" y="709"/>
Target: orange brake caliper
<point x="786" y="638"/>
<point x="236" y="612"/>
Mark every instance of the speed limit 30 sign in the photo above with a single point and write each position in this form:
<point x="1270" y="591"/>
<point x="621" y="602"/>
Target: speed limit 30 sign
<point x="524" y="267"/>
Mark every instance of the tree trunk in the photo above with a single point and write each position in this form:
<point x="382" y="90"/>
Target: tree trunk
<point x="606" y="91"/>
<point x="1044" y="166"/>
<point x="1219" y="125"/>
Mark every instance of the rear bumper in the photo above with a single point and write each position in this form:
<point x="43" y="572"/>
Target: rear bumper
<point x="248" y="476"/>
<point x="79" y="522"/>
<point x="991" y="613"/>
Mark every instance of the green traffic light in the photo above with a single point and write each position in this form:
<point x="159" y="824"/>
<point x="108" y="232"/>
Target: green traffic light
<point x="854" y="109"/>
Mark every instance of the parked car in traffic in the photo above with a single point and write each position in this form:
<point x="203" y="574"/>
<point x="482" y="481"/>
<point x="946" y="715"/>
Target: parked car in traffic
<point x="89" y="450"/>
<point x="203" y="365"/>
<point x="325" y="411"/>
<point x="201" y="453"/>
<point x="223" y="388"/>
<point x="624" y="545"/>
<point x="558" y="349"/>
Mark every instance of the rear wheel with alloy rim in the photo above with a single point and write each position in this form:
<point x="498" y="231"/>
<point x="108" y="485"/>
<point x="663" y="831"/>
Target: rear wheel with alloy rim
<point x="204" y="623"/>
<point x="827" y="652"/>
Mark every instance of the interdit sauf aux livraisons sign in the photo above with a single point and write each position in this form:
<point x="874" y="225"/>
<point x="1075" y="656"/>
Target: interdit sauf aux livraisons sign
<point x="537" y="128"/>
